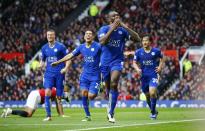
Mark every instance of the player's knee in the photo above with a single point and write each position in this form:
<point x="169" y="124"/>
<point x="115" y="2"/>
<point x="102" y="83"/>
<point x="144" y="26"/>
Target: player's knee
<point x="59" y="100"/>
<point x="114" y="84"/>
<point x="147" y="95"/>
<point x="48" y="92"/>
<point x="152" y="94"/>
<point x="85" y="93"/>
<point x="29" y="114"/>
<point x="91" y="97"/>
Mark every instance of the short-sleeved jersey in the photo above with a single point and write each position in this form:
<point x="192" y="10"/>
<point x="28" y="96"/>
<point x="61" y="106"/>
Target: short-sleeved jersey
<point x="113" y="50"/>
<point x="148" y="61"/>
<point x="42" y="94"/>
<point x="91" y="58"/>
<point x="53" y="54"/>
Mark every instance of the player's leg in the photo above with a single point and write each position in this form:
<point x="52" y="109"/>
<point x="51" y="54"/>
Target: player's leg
<point x="85" y="102"/>
<point x="145" y="90"/>
<point x="90" y="95"/>
<point x="106" y="79"/>
<point x="30" y="107"/>
<point x="84" y="86"/>
<point x="48" y="83"/>
<point x="59" y="92"/>
<point x="115" y="77"/>
<point x="23" y="113"/>
<point x="32" y="102"/>
<point x="153" y="97"/>
<point x="105" y="70"/>
<point x="147" y="95"/>
<point x="94" y="89"/>
<point x="113" y="94"/>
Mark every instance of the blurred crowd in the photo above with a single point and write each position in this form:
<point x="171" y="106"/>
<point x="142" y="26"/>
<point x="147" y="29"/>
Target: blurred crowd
<point x="24" y="23"/>
<point x="173" y="25"/>
<point x="192" y="86"/>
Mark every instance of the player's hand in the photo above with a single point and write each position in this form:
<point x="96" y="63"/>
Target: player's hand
<point x="139" y="71"/>
<point x="127" y="53"/>
<point x="54" y="64"/>
<point x="158" y="69"/>
<point x="63" y="71"/>
<point x="115" y="24"/>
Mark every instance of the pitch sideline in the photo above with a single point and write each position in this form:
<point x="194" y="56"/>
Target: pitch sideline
<point x="137" y="124"/>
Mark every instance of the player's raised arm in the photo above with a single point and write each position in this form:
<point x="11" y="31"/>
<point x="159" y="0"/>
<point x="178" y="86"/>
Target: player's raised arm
<point x="104" y="39"/>
<point x="127" y="53"/>
<point x="66" y="58"/>
<point x="114" y="22"/>
<point x="132" y="33"/>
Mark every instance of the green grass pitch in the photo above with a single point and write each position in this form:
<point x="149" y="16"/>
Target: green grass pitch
<point x="127" y="119"/>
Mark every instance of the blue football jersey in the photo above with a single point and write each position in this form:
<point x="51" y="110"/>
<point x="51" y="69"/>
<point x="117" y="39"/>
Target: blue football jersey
<point x="91" y="58"/>
<point x="52" y="54"/>
<point x="113" y="50"/>
<point x="148" y="61"/>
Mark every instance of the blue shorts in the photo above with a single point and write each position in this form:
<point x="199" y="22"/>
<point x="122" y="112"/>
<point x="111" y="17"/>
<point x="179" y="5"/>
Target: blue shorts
<point x="54" y="80"/>
<point x="106" y="70"/>
<point x="148" y="82"/>
<point x="91" y="86"/>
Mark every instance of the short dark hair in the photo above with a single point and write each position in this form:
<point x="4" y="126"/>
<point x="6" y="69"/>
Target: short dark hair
<point x="89" y="29"/>
<point x="147" y="35"/>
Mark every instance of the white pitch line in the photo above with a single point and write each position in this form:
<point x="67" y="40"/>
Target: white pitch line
<point x="46" y="124"/>
<point x="137" y="124"/>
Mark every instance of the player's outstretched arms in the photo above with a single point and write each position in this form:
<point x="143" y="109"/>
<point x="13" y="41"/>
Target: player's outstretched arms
<point x="127" y="53"/>
<point x="104" y="39"/>
<point x="66" y="58"/>
<point x="133" y="34"/>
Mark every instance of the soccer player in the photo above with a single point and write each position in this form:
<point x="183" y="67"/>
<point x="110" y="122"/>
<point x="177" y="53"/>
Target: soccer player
<point x="148" y="63"/>
<point x="53" y="76"/>
<point x="90" y="76"/>
<point x="112" y="38"/>
<point x="34" y="98"/>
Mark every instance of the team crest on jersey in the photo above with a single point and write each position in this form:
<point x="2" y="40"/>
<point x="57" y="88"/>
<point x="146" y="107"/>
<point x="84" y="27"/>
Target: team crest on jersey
<point x="67" y="51"/>
<point x="55" y="50"/>
<point x="120" y="32"/>
<point x="92" y="49"/>
<point x="152" y="53"/>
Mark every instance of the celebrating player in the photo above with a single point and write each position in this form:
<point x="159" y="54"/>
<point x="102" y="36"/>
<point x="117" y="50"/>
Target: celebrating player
<point x="34" y="98"/>
<point x="148" y="62"/>
<point x="53" y="76"/>
<point x="113" y="38"/>
<point x="90" y="76"/>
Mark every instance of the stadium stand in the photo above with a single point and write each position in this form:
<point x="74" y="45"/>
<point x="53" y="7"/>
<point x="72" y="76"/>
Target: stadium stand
<point x="174" y="25"/>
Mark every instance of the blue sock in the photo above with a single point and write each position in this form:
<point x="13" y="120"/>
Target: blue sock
<point x="107" y="92"/>
<point x="86" y="105"/>
<point x="153" y="105"/>
<point x="113" y="100"/>
<point x="149" y="104"/>
<point x="48" y="106"/>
